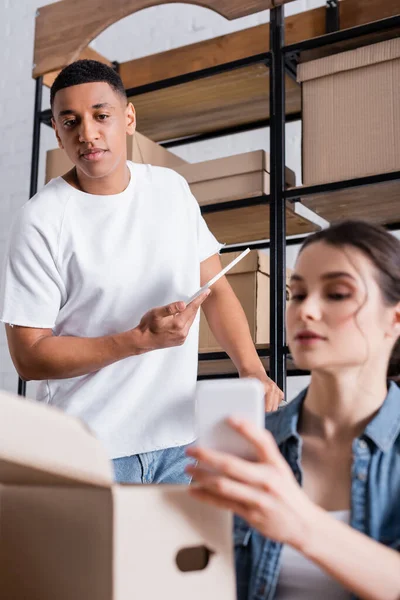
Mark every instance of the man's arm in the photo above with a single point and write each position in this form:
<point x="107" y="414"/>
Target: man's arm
<point x="37" y="354"/>
<point x="229" y="325"/>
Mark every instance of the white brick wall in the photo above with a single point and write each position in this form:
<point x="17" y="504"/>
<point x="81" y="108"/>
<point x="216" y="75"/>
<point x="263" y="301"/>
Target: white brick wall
<point x="152" y="30"/>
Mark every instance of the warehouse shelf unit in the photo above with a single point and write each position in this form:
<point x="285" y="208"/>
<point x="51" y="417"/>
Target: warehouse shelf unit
<point x="268" y="72"/>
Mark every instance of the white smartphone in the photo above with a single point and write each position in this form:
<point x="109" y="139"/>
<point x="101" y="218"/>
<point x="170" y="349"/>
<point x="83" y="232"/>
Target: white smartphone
<point x="218" y="276"/>
<point x="218" y="399"/>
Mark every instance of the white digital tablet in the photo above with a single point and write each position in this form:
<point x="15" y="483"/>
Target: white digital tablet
<point x="218" y="276"/>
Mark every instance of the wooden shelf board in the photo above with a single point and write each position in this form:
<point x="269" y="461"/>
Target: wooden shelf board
<point x="218" y="51"/>
<point x="251" y="223"/>
<point x="248" y="42"/>
<point x="59" y="39"/>
<point x="352" y="14"/>
<point x="377" y="203"/>
<point x="225" y="100"/>
<point x="234" y="98"/>
<point x="352" y="44"/>
<point x="226" y="367"/>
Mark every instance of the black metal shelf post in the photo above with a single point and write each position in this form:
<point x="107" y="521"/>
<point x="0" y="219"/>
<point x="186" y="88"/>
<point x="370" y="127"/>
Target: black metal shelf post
<point x="332" y="16"/>
<point x="34" y="169"/>
<point x="277" y="202"/>
<point x="343" y="35"/>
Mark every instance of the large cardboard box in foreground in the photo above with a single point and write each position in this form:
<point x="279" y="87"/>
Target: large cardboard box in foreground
<point x="140" y="149"/>
<point x="351" y="113"/>
<point x="250" y="280"/>
<point x="68" y="533"/>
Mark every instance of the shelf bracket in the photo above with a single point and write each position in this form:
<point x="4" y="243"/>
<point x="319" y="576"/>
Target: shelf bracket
<point x="332" y="16"/>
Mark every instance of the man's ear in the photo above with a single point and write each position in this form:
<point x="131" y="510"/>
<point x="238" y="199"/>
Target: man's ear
<point x="130" y="115"/>
<point x="54" y="126"/>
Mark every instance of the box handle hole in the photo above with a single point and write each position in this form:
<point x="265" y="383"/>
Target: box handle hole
<point x="195" y="558"/>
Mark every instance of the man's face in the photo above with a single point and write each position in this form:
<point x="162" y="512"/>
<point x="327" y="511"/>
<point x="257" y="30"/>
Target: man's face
<point x="91" y="121"/>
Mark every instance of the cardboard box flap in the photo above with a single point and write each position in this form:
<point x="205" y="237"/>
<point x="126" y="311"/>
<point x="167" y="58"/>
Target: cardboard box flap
<point x="248" y="162"/>
<point x="40" y="445"/>
<point x="147" y="152"/>
<point x="254" y="261"/>
<point x="347" y="61"/>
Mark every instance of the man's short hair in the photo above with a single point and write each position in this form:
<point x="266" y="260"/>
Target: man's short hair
<point x="86" y="71"/>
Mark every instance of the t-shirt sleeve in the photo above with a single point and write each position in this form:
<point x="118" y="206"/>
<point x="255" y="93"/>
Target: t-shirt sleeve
<point x="31" y="290"/>
<point x="207" y="243"/>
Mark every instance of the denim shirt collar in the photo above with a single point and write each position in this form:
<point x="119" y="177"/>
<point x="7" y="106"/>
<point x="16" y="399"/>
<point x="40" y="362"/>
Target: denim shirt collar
<point x="285" y="422"/>
<point x="383" y="430"/>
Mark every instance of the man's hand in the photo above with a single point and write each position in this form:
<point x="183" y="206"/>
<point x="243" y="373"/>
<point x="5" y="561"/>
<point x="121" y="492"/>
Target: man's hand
<point x="169" y="325"/>
<point x="273" y="395"/>
<point x="38" y="354"/>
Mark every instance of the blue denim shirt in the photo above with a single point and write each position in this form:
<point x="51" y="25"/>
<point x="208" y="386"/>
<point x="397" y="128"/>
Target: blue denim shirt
<point x="375" y="492"/>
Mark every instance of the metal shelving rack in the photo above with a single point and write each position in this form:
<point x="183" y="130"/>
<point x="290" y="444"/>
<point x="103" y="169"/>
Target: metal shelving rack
<point x="281" y="60"/>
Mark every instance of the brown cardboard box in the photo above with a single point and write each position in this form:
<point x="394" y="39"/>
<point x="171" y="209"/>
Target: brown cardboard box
<point x="351" y="115"/>
<point x="239" y="177"/>
<point x="231" y="178"/>
<point x="140" y="150"/>
<point x="68" y="532"/>
<point x="250" y="282"/>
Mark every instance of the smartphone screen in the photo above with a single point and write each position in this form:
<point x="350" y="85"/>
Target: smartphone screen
<point x="216" y="400"/>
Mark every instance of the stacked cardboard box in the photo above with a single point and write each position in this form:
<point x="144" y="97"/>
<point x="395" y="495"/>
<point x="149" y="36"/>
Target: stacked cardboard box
<point x="250" y="280"/>
<point x="231" y="178"/>
<point x="240" y="177"/>
<point x="351" y="115"/>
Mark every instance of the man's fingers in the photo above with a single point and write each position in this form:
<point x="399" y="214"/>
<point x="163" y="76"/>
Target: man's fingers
<point x="172" y="309"/>
<point x="269" y="401"/>
<point x="186" y="317"/>
<point x="197" y="302"/>
<point x="273" y="398"/>
<point x="176" y="308"/>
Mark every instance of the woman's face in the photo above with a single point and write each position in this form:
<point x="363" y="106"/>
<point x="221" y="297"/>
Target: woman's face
<point x="336" y="317"/>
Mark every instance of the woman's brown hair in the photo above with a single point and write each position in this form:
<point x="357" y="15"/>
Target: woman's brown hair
<point x="382" y="249"/>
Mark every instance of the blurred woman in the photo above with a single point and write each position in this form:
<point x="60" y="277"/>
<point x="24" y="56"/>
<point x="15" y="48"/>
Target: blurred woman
<point x="318" y="516"/>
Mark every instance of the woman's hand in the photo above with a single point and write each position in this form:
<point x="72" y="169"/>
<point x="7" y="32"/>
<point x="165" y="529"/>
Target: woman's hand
<point x="268" y="497"/>
<point x="264" y="493"/>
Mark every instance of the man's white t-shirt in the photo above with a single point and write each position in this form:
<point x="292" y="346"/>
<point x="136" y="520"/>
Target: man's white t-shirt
<point x="87" y="266"/>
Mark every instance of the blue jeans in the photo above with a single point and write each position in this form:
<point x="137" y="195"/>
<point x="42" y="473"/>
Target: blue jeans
<point x="160" y="466"/>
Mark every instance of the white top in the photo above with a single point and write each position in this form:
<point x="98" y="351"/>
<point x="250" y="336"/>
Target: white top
<point x="87" y="266"/>
<point x="301" y="579"/>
